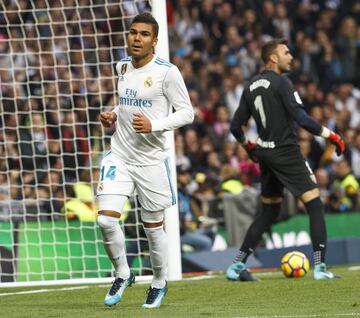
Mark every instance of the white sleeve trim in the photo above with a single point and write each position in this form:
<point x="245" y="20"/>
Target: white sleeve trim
<point x="325" y="132"/>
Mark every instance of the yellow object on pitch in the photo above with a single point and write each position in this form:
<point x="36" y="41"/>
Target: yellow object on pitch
<point x="295" y="264"/>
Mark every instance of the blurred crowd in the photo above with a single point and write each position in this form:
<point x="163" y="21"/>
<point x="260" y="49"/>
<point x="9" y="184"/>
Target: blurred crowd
<point x="217" y="46"/>
<point x="57" y="73"/>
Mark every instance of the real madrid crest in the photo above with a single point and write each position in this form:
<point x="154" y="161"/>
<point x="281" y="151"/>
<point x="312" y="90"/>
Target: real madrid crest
<point x="100" y="187"/>
<point x="148" y="82"/>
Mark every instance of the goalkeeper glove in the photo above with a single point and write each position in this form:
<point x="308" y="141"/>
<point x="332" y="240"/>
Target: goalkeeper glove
<point x="337" y="141"/>
<point x="250" y="148"/>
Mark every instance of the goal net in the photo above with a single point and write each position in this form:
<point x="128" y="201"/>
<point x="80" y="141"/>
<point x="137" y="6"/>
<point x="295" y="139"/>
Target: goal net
<point x="57" y="73"/>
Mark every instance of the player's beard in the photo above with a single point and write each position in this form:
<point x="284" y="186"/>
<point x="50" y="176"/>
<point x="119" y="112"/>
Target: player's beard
<point x="284" y="68"/>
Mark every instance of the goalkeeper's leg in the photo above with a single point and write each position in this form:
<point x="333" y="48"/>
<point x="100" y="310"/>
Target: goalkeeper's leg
<point x="270" y="211"/>
<point x="315" y="209"/>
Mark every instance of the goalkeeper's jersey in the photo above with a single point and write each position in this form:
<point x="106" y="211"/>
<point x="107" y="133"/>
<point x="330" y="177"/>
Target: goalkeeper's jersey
<point x="153" y="90"/>
<point x="271" y="100"/>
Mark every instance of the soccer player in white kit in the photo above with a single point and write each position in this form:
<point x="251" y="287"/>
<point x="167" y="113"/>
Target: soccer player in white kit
<point x="148" y="87"/>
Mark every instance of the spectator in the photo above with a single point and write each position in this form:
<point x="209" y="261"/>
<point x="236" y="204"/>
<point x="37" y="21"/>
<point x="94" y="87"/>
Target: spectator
<point x="355" y="156"/>
<point x="250" y="171"/>
<point x="230" y="180"/>
<point x="233" y="87"/>
<point x="79" y="203"/>
<point x="268" y="13"/>
<point x="180" y="157"/>
<point x="330" y="69"/>
<point x="74" y="145"/>
<point x="193" y="148"/>
<point x="230" y="51"/>
<point x="323" y="180"/>
<point x="345" y="185"/>
<point x="190" y="234"/>
<point x="220" y="129"/>
<point x="306" y="56"/>
<point x="191" y="31"/>
<point x="348" y="101"/>
<point x="33" y="144"/>
<point x="282" y="23"/>
<point x="346" y="48"/>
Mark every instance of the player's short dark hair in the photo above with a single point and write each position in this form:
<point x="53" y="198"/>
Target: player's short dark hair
<point x="269" y="48"/>
<point x="146" y="17"/>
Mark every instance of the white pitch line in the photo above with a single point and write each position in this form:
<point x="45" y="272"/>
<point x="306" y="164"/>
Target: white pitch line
<point x="200" y="277"/>
<point x="352" y="314"/>
<point x="38" y="291"/>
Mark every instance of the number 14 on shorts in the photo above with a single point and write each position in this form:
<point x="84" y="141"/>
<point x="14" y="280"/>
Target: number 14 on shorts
<point x="110" y="173"/>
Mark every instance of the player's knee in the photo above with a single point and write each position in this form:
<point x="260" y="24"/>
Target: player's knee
<point x="107" y="222"/>
<point x="147" y="225"/>
<point x="150" y="231"/>
<point x="152" y="219"/>
<point x="310" y="195"/>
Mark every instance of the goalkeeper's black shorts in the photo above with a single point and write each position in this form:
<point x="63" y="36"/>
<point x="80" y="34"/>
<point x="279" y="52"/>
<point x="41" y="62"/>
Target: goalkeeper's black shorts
<point x="284" y="167"/>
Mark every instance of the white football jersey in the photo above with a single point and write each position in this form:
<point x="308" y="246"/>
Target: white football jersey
<point x="151" y="90"/>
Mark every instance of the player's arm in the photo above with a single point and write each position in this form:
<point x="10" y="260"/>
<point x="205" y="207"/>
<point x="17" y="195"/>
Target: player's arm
<point x="177" y="94"/>
<point x="241" y="117"/>
<point x="292" y="101"/>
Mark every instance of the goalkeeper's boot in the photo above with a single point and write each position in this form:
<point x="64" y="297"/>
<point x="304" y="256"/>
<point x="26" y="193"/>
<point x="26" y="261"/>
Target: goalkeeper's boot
<point x="238" y="271"/>
<point x="117" y="289"/>
<point x="155" y="297"/>
<point x="320" y="272"/>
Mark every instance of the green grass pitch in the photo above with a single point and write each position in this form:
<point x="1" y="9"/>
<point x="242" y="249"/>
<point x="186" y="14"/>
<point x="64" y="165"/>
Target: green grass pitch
<point x="273" y="297"/>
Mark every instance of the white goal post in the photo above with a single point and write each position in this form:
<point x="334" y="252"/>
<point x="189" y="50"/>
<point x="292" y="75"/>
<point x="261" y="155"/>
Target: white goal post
<point x="172" y="214"/>
<point x="57" y="73"/>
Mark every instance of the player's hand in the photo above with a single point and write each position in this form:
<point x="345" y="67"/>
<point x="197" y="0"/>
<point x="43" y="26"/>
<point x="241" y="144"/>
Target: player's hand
<point x="250" y="148"/>
<point x="108" y="119"/>
<point x="337" y="141"/>
<point x="141" y="124"/>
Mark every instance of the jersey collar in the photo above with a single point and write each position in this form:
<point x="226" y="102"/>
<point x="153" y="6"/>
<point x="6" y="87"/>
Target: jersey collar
<point x="151" y="62"/>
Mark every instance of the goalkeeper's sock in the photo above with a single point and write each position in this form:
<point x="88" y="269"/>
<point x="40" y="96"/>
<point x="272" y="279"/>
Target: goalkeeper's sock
<point x="242" y="256"/>
<point x="262" y="223"/>
<point x="114" y="242"/>
<point x="158" y="255"/>
<point x="315" y="209"/>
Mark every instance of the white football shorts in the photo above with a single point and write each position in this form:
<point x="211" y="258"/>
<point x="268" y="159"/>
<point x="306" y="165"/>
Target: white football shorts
<point x="152" y="183"/>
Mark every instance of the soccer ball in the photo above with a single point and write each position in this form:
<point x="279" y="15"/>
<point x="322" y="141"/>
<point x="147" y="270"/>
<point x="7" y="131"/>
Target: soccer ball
<point x="295" y="264"/>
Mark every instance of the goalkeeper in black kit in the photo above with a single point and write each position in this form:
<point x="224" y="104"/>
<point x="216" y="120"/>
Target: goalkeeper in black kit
<point x="271" y="100"/>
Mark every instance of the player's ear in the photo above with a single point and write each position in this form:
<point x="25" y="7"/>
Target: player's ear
<point x="274" y="58"/>
<point x="155" y="41"/>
